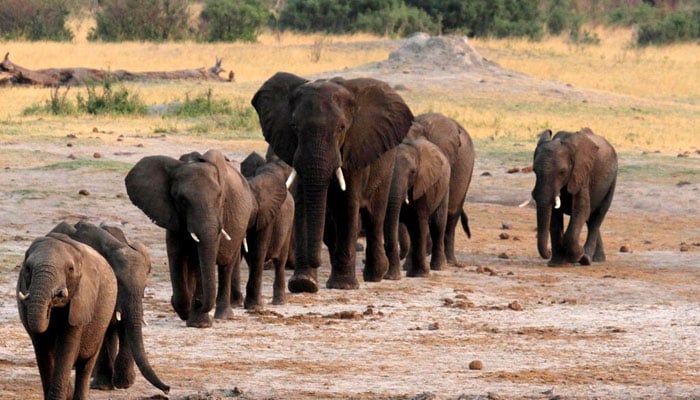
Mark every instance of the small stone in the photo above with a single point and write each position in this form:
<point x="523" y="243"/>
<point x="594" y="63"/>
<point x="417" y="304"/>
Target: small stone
<point x="516" y="238"/>
<point x="682" y="183"/>
<point x="624" y="249"/>
<point x="69" y="144"/>
<point x="684" y="154"/>
<point x="120" y="139"/>
<point x="121" y="195"/>
<point x="71" y="136"/>
<point x="96" y="155"/>
<point x="515" y="306"/>
<point x="139" y="145"/>
<point x="513" y="170"/>
<point x="433" y="326"/>
<point x="506" y="225"/>
<point x="487" y="173"/>
<point x="95" y="130"/>
<point x="684" y="247"/>
<point x="71" y="156"/>
<point x="84" y="192"/>
<point x="648" y="242"/>
<point x="527" y="169"/>
<point x="504" y="236"/>
<point x="476" y="365"/>
<point x="503" y="256"/>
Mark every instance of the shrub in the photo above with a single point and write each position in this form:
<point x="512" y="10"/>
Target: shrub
<point x="34" y="20"/>
<point x="149" y="20"/>
<point x="396" y="19"/>
<point x="331" y="16"/>
<point x="559" y="16"/>
<point x="673" y="27"/>
<point x="202" y="105"/>
<point x="57" y="104"/>
<point x="110" y="101"/>
<point x="226" y="20"/>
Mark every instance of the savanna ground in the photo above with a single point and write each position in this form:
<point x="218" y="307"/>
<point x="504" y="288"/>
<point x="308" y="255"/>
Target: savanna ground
<point x="626" y="328"/>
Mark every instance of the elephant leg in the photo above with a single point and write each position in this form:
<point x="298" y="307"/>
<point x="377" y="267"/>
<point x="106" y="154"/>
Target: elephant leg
<point x="67" y="347"/>
<point x="236" y="294"/>
<point x="124" y="371"/>
<point x="418" y="229"/>
<point x="224" y="295"/>
<point x="343" y="258"/>
<point x="104" y="369"/>
<point x="279" y="295"/>
<point x="597" y="252"/>
<point x="197" y="317"/>
<point x="450" y="228"/>
<point x="179" y="256"/>
<point x="438" y="221"/>
<point x="45" y="353"/>
<point x="556" y="229"/>
<point x="258" y="243"/>
<point x="377" y="263"/>
<point x="391" y="245"/>
<point x="404" y="241"/>
<point x="83" y="371"/>
<point x="580" y="214"/>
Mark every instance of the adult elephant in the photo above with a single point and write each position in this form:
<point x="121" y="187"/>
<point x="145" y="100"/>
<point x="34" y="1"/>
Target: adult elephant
<point x="207" y="208"/>
<point x="339" y="136"/>
<point x="576" y="175"/>
<point x="66" y="294"/>
<point x="456" y="144"/>
<point x="418" y="198"/>
<point x="123" y="344"/>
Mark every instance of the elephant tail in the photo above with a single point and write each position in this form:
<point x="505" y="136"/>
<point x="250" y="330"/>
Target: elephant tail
<point x="465" y="223"/>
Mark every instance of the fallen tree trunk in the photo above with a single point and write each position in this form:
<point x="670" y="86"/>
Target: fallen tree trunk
<point x="15" y="74"/>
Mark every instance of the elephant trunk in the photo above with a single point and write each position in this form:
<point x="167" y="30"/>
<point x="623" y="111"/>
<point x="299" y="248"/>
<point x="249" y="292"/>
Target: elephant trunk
<point x="544" y="216"/>
<point x="133" y="333"/>
<point x="207" y="250"/>
<point x="315" y="215"/>
<point x="39" y="303"/>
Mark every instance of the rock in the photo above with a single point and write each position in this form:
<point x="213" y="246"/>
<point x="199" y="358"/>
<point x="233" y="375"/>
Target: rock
<point x="95" y="130"/>
<point x="513" y="170"/>
<point x="71" y="156"/>
<point x="506" y="225"/>
<point x="684" y="247"/>
<point x="515" y="306"/>
<point x="121" y="195"/>
<point x="71" y="136"/>
<point x="624" y="249"/>
<point x="69" y="144"/>
<point x="476" y="365"/>
<point x="682" y="183"/>
<point x="433" y="326"/>
<point x="527" y="169"/>
<point x="96" y="155"/>
<point x="504" y="236"/>
<point x="487" y="173"/>
<point x="503" y="256"/>
<point x="84" y="192"/>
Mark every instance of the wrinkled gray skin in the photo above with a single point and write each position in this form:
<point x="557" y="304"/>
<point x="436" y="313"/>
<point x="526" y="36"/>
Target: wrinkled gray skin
<point x="456" y="144"/>
<point x="268" y="178"/>
<point x="66" y="294"/>
<point x="205" y="197"/>
<point x="320" y="127"/>
<point x="581" y="168"/>
<point x="123" y="344"/>
<point x="419" y="198"/>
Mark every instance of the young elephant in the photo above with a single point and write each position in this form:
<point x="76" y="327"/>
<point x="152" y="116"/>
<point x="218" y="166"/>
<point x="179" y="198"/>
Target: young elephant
<point x="419" y="198"/>
<point x="66" y="294"/>
<point x="576" y="175"/>
<point x="207" y="208"/>
<point x="123" y="344"/>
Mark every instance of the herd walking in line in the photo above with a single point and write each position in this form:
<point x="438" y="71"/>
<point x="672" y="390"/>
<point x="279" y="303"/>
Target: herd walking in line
<point x="346" y="157"/>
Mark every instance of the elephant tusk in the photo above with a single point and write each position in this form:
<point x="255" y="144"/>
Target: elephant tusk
<point x="118" y="315"/>
<point x="194" y="237"/>
<point x="64" y="292"/>
<point x="22" y="296"/>
<point x="145" y="323"/>
<point x="526" y="203"/>
<point x="557" y="202"/>
<point x="223" y="232"/>
<point x="407" y="200"/>
<point x="245" y="245"/>
<point x="341" y="178"/>
<point x="291" y="178"/>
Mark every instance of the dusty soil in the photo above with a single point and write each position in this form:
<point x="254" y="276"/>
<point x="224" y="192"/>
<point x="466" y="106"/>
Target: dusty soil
<point x="626" y="328"/>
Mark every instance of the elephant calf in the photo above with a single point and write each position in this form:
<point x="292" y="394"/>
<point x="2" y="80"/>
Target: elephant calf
<point x="66" y="294"/>
<point x="123" y="345"/>
<point x="576" y="175"/>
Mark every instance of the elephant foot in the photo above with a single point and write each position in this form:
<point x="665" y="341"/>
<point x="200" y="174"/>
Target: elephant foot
<point x="342" y="281"/>
<point x="437" y="263"/>
<point x="224" y="312"/>
<point x="279" y="300"/>
<point x="559" y="262"/>
<point x="182" y="312"/>
<point x="585" y="260"/>
<point x="598" y="257"/>
<point x="125" y="380"/>
<point x="199" y="320"/>
<point x="303" y="281"/>
<point x="376" y="272"/>
<point x="101" y="383"/>
<point x="418" y="272"/>
<point x="393" y="274"/>
<point x="253" y="304"/>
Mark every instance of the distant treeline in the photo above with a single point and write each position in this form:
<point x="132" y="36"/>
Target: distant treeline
<point x="656" y="21"/>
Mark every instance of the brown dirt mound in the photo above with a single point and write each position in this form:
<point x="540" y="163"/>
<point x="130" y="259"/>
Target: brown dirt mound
<point x="422" y="51"/>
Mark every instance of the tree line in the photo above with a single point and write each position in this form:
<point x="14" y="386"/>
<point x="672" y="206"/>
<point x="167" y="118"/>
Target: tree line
<point x="656" y="21"/>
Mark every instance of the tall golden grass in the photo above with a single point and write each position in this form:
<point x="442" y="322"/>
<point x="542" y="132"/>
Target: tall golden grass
<point x="656" y="102"/>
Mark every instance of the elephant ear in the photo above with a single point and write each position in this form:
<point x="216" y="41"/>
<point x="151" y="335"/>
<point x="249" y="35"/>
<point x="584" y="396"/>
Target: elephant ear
<point x="270" y="192"/>
<point x="432" y="168"/>
<point x="63" y="227"/>
<point x="251" y="163"/>
<point x="272" y="103"/>
<point x="148" y="186"/>
<point x="82" y="303"/>
<point x="444" y="132"/>
<point x="116" y="233"/>
<point x="381" y="121"/>
<point x="583" y="155"/>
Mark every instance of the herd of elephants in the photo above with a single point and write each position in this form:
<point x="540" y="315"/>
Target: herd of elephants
<point x="346" y="157"/>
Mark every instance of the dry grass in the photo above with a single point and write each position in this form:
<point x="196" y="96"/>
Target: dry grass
<point x="656" y="101"/>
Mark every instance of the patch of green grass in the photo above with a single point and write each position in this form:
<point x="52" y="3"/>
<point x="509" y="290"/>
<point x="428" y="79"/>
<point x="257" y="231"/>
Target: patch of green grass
<point x="659" y="168"/>
<point x="107" y="99"/>
<point x="103" y="165"/>
<point x="203" y="104"/>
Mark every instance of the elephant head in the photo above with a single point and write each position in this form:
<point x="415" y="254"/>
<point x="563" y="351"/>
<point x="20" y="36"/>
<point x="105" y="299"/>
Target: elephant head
<point x="187" y="197"/>
<point x="321" y="128"/>
<point x="57" y="272"/>
<point x="562" y="165"/>
<point x="251" y="163"/>
<point x="131" y="263"/>
<point x="419" y="166"/>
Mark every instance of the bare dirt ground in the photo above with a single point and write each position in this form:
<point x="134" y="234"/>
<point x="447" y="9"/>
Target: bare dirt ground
<point x="626" y="328"/>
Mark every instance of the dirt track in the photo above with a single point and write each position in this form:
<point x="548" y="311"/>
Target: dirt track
<point x="627" y="328"/>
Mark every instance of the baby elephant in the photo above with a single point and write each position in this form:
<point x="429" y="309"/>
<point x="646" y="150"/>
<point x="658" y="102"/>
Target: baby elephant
<point x="576" y="175"/>
<point x="123" y="345"/>
<point x="66" y="294"/>
<point x="418" y="198"/>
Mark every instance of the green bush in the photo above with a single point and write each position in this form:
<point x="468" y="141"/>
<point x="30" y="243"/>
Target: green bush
<point x="396" y="20"/>
<point x="34" y="20"/>
<point x="110" y="101"/>
<point x="148" y="20"/>
<point x="226" y="20"/>
<point x="672" y="27"/>
<point x="330" y="16"/>
<point x="559" y="16"/>
<point x="203" y="105"/>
